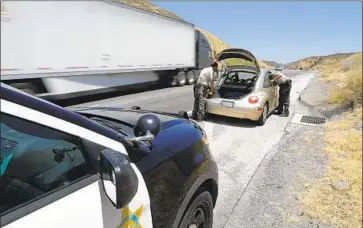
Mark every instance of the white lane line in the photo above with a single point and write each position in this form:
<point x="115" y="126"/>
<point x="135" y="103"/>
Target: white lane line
<point x="95" y="105"/>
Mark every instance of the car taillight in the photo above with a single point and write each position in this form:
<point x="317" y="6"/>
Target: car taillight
<point x="253" y="99"/>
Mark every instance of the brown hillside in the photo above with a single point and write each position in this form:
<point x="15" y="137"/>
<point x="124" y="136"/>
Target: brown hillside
<point x="273" y="63"/>
<point x="316" y="62"/>
<point x="216" y="44"/>
<point x="339" y="207"/>
<point x="146" y="5"/>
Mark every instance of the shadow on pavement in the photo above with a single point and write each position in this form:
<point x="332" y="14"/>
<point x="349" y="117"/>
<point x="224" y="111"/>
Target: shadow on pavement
<point x="229" y="121"/>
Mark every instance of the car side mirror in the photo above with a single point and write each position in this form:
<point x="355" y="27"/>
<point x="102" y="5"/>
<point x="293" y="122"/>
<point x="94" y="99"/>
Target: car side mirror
<point x="119" y="180"/>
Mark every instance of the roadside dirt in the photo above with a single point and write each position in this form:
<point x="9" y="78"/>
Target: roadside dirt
<point x="272" y="197"/>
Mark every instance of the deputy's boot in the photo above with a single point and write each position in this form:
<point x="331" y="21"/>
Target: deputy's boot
<point x="285" y="112"/>
<point x="277" y="111"/>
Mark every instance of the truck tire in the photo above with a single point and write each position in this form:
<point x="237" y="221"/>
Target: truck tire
<point x="181" y="78"/>
<point x="190" y="77"/>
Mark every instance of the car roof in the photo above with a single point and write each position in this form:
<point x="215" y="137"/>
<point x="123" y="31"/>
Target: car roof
<point x="21" y="98"/>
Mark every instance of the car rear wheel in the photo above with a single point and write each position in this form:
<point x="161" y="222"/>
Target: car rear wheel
<point x="199" y="213"/>
<point x="262" y="120"/>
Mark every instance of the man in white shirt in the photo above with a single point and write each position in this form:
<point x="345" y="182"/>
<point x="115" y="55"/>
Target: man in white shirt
<point x="285" y="85"/>
<point x="205" y="81"/>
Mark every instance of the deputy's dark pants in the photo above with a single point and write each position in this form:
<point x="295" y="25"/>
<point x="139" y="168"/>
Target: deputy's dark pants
<point x="284" y="98"/>
<point x="200" y="95"/>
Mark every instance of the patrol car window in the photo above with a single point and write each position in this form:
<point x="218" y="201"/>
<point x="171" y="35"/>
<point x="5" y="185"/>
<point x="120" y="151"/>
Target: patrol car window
<point x="35" y="161"/>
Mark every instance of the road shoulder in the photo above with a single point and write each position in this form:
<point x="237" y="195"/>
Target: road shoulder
<point x="272" y="197"/>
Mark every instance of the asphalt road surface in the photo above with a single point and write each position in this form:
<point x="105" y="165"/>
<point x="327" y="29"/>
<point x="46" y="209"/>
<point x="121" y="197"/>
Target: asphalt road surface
<point x="172" y="99"/>
<point x="239" y="146"/>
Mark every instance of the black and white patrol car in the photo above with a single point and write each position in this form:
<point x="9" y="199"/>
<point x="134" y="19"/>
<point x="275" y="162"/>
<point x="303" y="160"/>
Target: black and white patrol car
<point x="102" y="167"/>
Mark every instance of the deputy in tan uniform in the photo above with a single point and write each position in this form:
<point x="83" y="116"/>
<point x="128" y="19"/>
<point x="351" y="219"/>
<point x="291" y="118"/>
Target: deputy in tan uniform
<point x="285" y="84"/>
<point x="205" y="81"/>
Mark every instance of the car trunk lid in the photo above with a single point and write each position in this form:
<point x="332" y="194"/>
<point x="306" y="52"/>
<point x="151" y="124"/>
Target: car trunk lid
<point x="237" y="53"/>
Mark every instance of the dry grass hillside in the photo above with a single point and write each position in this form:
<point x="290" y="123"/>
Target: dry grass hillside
<point x="273" y="63"/>
<point x="146" y="5"/>
<point x="316" y="62"/>
<point x="216" y="43"/>
<point x="336" y="198"/>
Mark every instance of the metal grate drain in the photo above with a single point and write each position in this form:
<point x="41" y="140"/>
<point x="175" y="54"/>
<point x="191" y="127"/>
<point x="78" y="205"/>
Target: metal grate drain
<point x="312" y="119"/>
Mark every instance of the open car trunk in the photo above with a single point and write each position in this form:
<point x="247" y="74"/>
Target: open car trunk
<point x="234" y="84"/>
<point x="234" y="92"/>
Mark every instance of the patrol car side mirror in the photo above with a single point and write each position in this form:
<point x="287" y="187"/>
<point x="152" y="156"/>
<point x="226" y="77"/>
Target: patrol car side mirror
<point x="119" y="179"/>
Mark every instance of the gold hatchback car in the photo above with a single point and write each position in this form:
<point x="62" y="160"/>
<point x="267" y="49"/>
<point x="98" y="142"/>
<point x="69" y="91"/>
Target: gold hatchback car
<point x="244" y="92"/>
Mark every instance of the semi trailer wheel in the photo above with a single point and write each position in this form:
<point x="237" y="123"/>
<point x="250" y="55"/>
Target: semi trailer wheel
<point x="190" y="77"/>
<point x="181" y="78"/>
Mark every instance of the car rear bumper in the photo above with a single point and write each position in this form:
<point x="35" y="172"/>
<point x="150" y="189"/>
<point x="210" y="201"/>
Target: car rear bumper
<point x="251" y="112"/>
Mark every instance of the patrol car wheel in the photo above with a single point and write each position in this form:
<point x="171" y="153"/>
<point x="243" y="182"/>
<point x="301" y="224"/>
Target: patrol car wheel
<point x="199" y="213"/>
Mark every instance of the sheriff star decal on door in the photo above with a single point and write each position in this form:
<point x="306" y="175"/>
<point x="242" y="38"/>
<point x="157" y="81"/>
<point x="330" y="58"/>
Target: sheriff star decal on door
<point x="130" y="219"/>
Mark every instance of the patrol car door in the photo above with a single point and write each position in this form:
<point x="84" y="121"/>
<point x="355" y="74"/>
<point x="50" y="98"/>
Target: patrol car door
<point x="271" y="90"/>
<point x="39" y="189"/>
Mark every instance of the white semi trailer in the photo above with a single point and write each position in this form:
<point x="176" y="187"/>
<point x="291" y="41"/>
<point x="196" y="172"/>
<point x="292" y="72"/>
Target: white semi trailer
<point x="62" y="49"/>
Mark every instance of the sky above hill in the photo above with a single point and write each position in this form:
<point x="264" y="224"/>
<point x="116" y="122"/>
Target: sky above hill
<point x="278" y="31"/>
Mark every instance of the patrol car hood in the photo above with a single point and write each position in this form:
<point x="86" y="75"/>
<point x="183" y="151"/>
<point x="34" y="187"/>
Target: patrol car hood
<point x="129" y="116"/>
